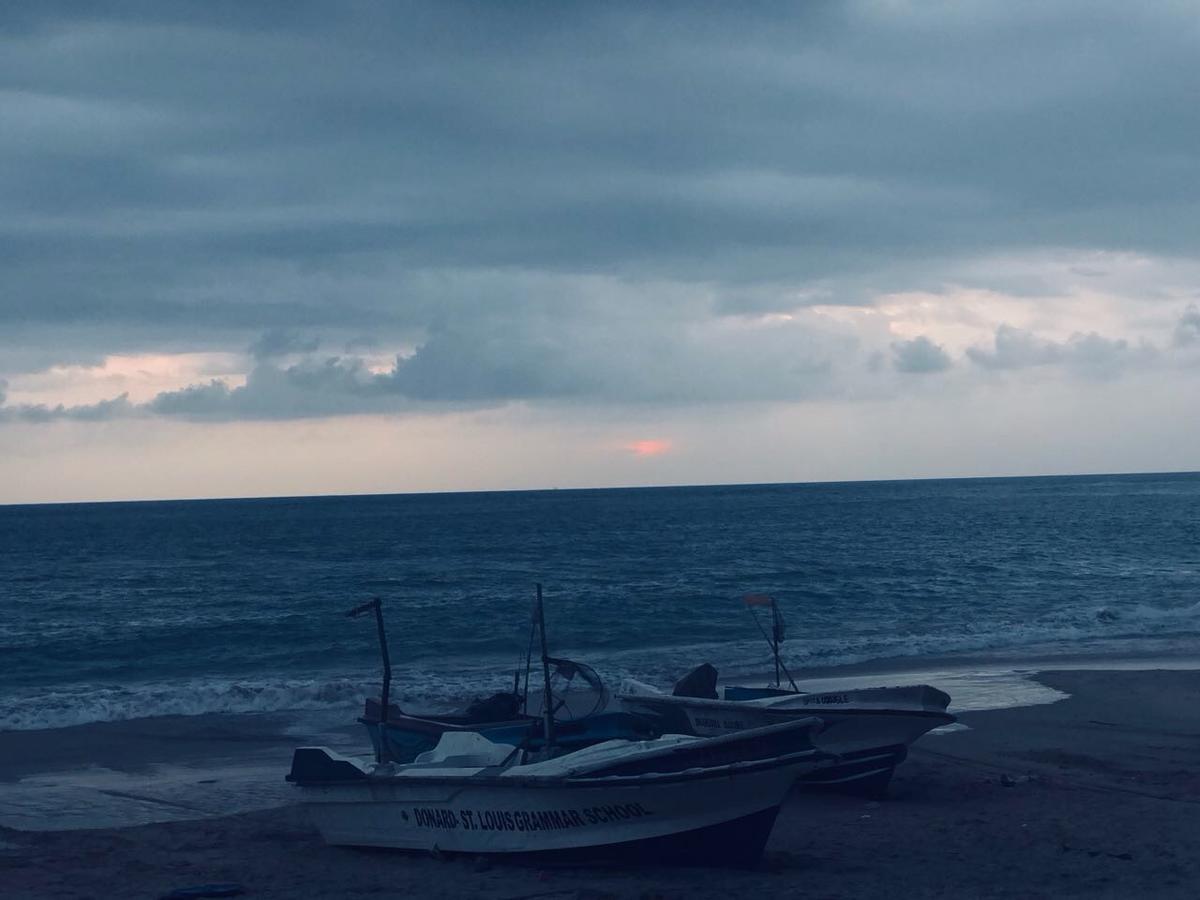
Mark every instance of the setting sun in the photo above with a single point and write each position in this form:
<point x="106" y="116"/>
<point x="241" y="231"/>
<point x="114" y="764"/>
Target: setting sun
<point x="649" y="447"/>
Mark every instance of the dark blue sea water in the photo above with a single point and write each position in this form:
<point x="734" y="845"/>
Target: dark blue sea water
<point x="111" y="611"/>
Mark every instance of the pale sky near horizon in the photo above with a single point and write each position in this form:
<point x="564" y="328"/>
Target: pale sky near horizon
<point x="297" y="248"/>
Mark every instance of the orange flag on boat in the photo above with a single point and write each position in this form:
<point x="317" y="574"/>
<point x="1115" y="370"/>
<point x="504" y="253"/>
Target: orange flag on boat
<point x="758" y="600"/>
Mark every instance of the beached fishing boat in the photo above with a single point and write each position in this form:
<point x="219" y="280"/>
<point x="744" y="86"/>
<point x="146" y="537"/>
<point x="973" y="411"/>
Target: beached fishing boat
<point x="674" y="798"/>
<point x="584" y="715"/>
<point x="577" y="696"/>
<point x="709" y="801"/>
<point x="868" y="730"/>
<point x="866" y="733"/>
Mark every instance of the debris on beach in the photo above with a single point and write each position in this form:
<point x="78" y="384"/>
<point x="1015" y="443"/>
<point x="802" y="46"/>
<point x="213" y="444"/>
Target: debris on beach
<point x="228" y="889"/>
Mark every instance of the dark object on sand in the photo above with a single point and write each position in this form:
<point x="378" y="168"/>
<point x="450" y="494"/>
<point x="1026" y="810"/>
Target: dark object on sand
<point x="229" y="889"/>
<point x="701" y="682"/>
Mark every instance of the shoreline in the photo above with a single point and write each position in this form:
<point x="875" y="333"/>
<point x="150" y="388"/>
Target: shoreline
<point x="160" y="769"/>
<point x="1026" y="659"/>
<point x="170" y="768"/>
<point x="1095" y="795"/>
<point x="995" y="681"/>
<point x="1175" y="653"/>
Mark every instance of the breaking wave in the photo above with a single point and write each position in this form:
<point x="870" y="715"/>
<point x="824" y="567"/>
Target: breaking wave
<point x="1102" y="630"/>
<point x="84" y="704"/>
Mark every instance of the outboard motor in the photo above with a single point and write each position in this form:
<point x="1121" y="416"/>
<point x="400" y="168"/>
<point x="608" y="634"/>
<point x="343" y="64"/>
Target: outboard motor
<point x="700" y="683"/>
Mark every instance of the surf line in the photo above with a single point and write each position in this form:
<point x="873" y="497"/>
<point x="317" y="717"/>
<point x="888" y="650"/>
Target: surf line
<point x="526" y="820"/>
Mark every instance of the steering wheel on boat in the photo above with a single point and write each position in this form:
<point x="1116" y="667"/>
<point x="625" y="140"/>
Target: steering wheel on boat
<point x="576" y="691"/>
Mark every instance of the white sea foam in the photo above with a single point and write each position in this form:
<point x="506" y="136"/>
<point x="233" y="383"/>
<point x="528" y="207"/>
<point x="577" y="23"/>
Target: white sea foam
<point x="82" y="704"/>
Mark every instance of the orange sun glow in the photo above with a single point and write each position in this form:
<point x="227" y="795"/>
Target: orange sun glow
<point x="648" y="447"/>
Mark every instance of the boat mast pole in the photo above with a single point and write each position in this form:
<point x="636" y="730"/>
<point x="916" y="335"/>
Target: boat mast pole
<point x="775" y="638"/>
<point x="547" y="697"/>
<point x="528" y="664"/>
<point x="381" y="755"/>
<point x="777" y="632"/>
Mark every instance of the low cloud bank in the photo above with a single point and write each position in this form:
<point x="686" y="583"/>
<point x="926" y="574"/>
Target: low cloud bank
<point x="491" y="363"/>
<point x="37" y="413"/>
<point x="1015" y="348"/>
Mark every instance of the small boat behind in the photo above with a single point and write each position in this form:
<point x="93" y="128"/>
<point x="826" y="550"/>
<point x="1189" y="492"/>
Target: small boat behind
<point x="575" y="695"/>
<point x="867" y="732"/>
<point x="680" y="799"/>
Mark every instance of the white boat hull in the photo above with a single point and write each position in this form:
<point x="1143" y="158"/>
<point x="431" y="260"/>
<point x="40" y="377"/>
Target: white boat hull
<point x="872" y="717"/>
<point x="681" y="799"/>
<point x="868" y="731"/>
<point x="457" y="818"/>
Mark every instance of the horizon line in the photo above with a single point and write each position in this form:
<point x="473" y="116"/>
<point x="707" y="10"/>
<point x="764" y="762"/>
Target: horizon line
<point x="578" y="489"/>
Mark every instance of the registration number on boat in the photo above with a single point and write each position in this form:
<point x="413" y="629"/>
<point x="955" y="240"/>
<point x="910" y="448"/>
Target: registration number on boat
<point x="726" y="725"/>
<point x="525" y="820"/>
<point x="825" y="699"/>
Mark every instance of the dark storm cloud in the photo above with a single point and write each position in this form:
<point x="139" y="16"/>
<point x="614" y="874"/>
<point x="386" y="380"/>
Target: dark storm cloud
<point x="279" y="342"/>
<point x="201" y="173"/>
<point x="484" y="362"/>
<point x="1015" y="348"/>
<point x="918" y="356"/>
<point x="1187" y="329"/>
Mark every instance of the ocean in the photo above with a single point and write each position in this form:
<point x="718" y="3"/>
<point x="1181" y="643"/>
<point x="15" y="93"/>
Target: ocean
<point x="118" y="611"/>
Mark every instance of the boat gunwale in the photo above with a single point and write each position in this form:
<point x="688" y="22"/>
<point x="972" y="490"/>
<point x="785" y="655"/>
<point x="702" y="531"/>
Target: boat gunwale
<point x="580" y="781"/>
<point x="815" y="711"/>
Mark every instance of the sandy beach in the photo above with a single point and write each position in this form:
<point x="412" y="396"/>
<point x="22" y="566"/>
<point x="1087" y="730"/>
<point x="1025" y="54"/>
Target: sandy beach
<point x="1096" y="795"/>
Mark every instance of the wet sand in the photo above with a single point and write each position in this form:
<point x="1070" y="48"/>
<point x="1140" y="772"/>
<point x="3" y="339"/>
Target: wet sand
<point x="138" y="746"/>
<point x="1097" y="795"/>
<point x="168" y="768"/>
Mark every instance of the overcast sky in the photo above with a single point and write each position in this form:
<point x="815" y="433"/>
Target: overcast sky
<point x="293" y="248"/>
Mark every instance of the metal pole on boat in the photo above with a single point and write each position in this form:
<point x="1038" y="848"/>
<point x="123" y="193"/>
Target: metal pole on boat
<point x="776" y="635"/>
<point x="528" y="663"/>
<point x="547" y="697"/>
<point x="381" y="756"/>
<point x="777" y="632"/>
<point x="775" y="651"/>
